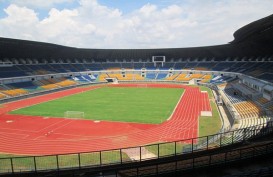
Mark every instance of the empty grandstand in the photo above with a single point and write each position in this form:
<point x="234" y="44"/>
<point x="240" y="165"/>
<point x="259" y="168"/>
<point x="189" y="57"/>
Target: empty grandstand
<point x="240" y="75"/>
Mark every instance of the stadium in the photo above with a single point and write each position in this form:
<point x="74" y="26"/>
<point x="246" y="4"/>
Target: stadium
<point x="69" y="111"/>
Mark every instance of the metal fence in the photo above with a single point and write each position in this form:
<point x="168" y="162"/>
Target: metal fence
<point x="140" y="153"/>
<point x="217" y="158"/>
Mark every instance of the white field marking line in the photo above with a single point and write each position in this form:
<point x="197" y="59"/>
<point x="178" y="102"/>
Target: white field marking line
<point x="87" y="137"/>
<point x="84" y="138"/>
<point x="38" y="137"/>
<point x="63" y="125"/>
<point x="17" y="129"/>
<point x="176" y="105"/>
<point x="162" y="136"/>
<point x="198" y="129"/>
<point x="51" y="99"/>
<point x="97" y="136"/>
<point x="34" y="131"/>
<point x="20" y="135"/>
<point x="62" y="120"/>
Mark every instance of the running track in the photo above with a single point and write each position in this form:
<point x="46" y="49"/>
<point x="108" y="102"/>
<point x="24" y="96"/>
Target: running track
<point x="33" y="135"/>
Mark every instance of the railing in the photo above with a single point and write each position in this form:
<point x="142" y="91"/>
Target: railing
<point x="137" y="154"/>
<point x="203" y="161"/>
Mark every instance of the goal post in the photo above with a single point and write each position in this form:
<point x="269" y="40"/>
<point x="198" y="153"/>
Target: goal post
<point x="74" y="114"/>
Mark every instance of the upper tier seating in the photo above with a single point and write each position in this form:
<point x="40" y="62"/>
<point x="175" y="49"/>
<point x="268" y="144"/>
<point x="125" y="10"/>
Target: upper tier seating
<point x="93" y="67"/>
<point x="168" y="65"/>
<point x="109" y="66"/>
<point x="179" y="65"/>
<point x="79" y="67"/>
<point x="223" y="66"/>
<point x="191" y="65"/>
<point x="261" y="70"/>
<point x="232" y="96"/>
<point x="262" y="100"/>
<point x="205" y="65"/>
<point x="127" y="65"/>
<point x="138" y="66"/>
<point x="267" y="76"/>
<point x="149" y="65"/>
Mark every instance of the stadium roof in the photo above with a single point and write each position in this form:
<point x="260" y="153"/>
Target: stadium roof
<point x="252" y="40"/>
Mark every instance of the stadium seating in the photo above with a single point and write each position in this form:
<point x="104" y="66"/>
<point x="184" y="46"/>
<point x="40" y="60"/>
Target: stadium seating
<point x="103" y="76"/>
<point x="47" y="84"/>
<point x="172" y="77"/>
<point x="127" y="65"/>
<point x="93" y="66"/>
<point x="179" y="65"/>
<point x="168" y="65"/>
<point x="85" y="78"/>
<point x="205" y="66"/>
<point x="196" y="76"/>
<point x="2" y="96"/>
<point x="149" y="65"/>
<point x="262" y="100"/>
<point x="206" y="78"/>
<point x="182" y="77"/>
<point x="28" y="86"/>
<point x="161" y="76"/>
<point x="138" y="66"/>
<point x="244" y="123"/>
<point x="249" y="54"/>
<point x="14" y="92"/>
<point x="151" y="75"/>
<point x="66" y="82"/>
<point x="111" y="66"/>
<point x="248" y="109"/>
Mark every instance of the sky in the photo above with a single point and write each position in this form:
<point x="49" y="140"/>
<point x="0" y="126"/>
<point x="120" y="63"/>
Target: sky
<point x="129" y="23"/>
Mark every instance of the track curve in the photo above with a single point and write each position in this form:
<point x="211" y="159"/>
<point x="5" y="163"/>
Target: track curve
<point x="34" y="135"/>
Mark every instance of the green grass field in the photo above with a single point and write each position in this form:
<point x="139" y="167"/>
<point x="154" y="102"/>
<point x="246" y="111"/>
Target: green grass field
<point x="209" y="125"/>
<point x="143" y="105"/>
<point x="155" y="103"/>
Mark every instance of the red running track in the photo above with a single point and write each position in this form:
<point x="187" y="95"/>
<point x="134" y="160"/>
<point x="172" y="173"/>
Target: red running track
<point x="34" y="135"/>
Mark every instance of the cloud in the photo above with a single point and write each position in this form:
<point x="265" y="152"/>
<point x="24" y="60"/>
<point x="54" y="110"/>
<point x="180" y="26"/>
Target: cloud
<point x="20" y="23"/>
<point x="92" y="25"/>
<point x="38" y="3"/>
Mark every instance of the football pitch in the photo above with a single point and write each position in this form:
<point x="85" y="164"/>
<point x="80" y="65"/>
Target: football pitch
<point x="142" y="105"/>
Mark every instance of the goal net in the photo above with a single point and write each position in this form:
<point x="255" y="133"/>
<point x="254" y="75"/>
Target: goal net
<point x="74" y="114"/>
